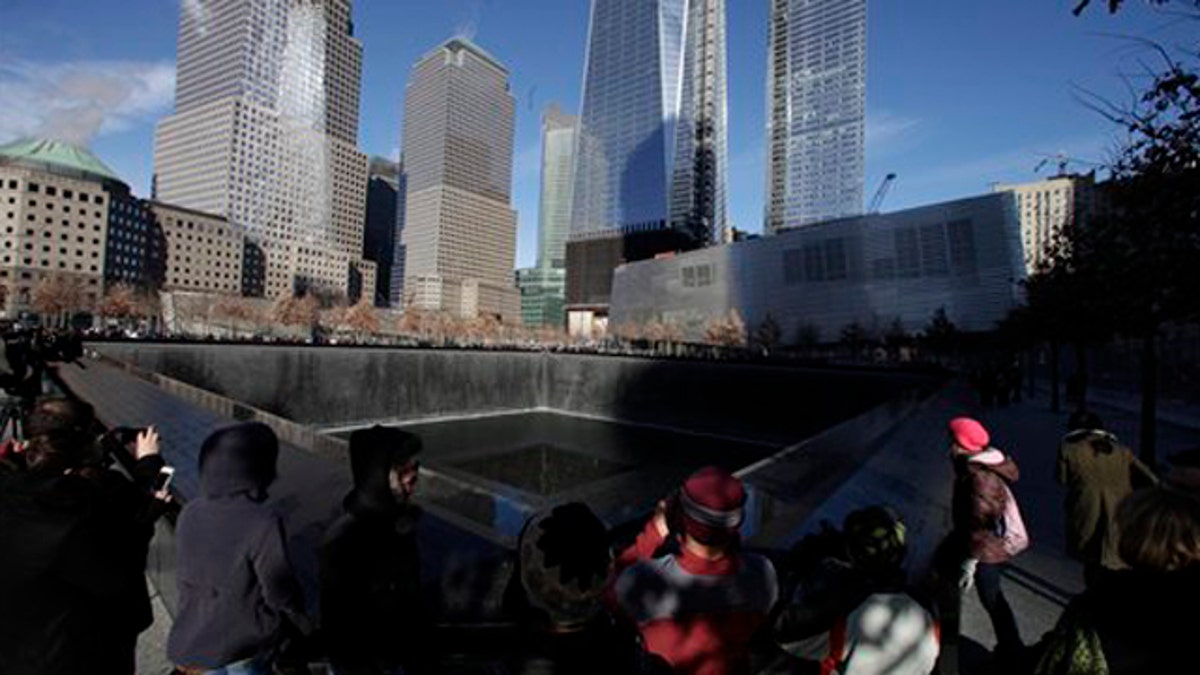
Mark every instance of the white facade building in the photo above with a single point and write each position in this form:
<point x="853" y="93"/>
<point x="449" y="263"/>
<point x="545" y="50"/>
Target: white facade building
<point x="1045" y="207"/>
<point x="963" y="256"/>
<point x="264" y="132"/>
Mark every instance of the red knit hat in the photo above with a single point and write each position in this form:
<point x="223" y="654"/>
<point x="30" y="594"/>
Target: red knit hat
<point x="712" y="503"/>
<point x="969" y="434"/>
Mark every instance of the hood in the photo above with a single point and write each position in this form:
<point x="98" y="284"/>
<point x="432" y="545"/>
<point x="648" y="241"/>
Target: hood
<point x="238" y="459"/>
<point x="373" y="453"/>
<point x="1099" y="439"/>
<point x="997" y="462"/>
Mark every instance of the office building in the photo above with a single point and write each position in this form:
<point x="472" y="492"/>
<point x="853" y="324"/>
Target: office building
<point x="1045" y="207"/>
<point x="136" y="247"/>
<point x="963" y="256"/>
<point x="651" y="155"/>
<point x="559" y="132"/>
<point x="379" y="233"/>
<point x="54" y="211"/>
<point x="399" y="250"/>
<point x="204" y="251"/>
<point x="816" y="107"/>
<point x="459" y="227"/>
<point x="264" y="133"/>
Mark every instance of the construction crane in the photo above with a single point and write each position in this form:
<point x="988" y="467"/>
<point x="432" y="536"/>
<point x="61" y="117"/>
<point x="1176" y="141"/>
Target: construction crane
<point x="877" y="200"/>
<point x="1062" y="160"/>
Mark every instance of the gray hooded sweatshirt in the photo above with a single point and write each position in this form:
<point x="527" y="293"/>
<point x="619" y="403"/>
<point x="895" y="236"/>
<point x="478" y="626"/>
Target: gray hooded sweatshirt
<point x="236" y="586"/>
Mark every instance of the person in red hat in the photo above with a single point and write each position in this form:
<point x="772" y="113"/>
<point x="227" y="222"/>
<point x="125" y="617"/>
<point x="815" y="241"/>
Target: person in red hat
<point x="700" y="607"/>
<point x="988" y="530"/>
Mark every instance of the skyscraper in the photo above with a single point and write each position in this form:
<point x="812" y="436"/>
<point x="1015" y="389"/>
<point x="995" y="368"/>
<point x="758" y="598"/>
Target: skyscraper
<point x="379" y="233"/>
<point x="459" y="228"/>
<point x="816" y="103"/>
<point x="543" y="287"/>
<point x="1045" y="207"/>
<point x="264" y="132"/>
<point x="651" y="155"/>
<point x="651" y="151"/>
<point x="554" y="204"/>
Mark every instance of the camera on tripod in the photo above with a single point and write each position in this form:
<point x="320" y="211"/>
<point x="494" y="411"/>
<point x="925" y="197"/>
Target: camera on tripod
<point x="27" y="353"/>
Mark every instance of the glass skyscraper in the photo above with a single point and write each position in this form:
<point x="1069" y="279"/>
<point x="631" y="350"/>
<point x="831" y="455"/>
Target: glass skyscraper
<point x="651" y="149"/>
<point x="559" y="131"/>
<point x="816" y="105"/>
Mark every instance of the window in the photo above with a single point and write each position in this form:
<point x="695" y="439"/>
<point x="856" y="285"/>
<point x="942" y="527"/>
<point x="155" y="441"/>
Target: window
<point x="33" y="187"/>
<point x="835" y="259"/>
<point x="51" y="190"/>
<point x="908" y="257"/>
<point x="962" y="246"/>
<point x="67" y="194"/>
<point x="934" y="262"/>
<point x="97" y="199"/>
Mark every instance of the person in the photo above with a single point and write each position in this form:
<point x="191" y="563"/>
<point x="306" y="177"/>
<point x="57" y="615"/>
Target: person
<point x="238" y="595"/>
<point x="369" y="569"/>
<point x="556" y="596"/>
<point x="700" y="606"/>
<point x="1136" y="620"/>
<point x="982" y="475"/>
<point x="849" y="610"/>
<point x="1098" y="472"/>
<point x="72" y="557"/>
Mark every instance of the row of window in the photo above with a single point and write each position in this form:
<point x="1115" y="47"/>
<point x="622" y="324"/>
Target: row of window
<point x="52" y="191"/>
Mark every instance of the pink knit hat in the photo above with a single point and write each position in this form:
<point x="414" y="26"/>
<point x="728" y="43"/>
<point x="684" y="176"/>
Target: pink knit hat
<point x="969" y="434"/>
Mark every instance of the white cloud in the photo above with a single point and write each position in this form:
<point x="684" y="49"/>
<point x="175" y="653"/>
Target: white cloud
<point x="77" y="101"/>
<point x="884" y="128"/>
<point x="468" y="28"/>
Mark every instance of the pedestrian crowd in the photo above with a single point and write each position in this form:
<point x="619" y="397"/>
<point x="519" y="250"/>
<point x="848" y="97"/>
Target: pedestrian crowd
<point x="686" y="596"/>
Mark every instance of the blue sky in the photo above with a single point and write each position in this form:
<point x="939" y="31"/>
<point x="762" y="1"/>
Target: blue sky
<point x="959" y="94"/>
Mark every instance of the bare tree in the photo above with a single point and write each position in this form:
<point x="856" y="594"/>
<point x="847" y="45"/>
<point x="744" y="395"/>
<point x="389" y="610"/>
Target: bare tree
<point x="362" y="317"/>
<point x="728" y="330"/>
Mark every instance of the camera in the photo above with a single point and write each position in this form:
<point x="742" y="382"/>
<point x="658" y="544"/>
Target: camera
<point x="27" y="353"/>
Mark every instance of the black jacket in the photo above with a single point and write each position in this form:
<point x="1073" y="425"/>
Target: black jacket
<point x="371" y="614"/>
<point x="237" y="591"/>
<point x="1144" y="620"/>
<point x="601" y="648"/>
<point x="66" y="571"/>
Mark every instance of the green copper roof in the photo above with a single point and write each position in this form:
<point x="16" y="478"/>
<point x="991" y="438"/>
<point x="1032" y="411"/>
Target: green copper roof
<point x="53" y="154"/>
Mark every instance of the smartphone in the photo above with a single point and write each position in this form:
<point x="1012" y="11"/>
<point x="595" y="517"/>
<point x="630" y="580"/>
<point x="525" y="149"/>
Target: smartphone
<point x="163" y="480"/>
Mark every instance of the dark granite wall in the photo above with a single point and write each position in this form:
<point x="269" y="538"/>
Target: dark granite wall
<point x="341" y="386"/>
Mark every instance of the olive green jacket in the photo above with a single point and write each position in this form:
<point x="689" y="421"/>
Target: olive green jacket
<point x="1096" y="482"/>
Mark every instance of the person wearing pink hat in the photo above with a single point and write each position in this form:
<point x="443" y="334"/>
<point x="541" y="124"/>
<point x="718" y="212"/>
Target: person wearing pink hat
<point x="700" y="607"/>
<point x="984" y="515"/>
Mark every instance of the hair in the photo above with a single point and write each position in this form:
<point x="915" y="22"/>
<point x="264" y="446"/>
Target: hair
<point x="1084" y="419"/>
<point x="875" y="538"/>
<point x="563" y="563"/>
<point x="59" y="430"/>
<point x="1159" y="530"/>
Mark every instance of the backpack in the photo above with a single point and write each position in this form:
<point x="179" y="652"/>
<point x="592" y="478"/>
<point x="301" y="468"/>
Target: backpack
<point x="1015" y="536"/>
<point x="1072" y="648"/>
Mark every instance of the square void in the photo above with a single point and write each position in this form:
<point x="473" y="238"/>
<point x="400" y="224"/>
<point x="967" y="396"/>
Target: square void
<point x="541" y="468"/>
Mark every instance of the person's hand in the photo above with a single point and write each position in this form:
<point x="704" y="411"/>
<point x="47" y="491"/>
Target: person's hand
<point x="660" y="518"/>
<point x="966" y="574"/>
<point x="164" y="495"/>
<point x="146" y="444"/>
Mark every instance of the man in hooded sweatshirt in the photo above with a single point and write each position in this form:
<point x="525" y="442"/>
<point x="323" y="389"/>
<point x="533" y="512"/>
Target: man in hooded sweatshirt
<point x="371" y="615"/>
<point x="237" y="590"/>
